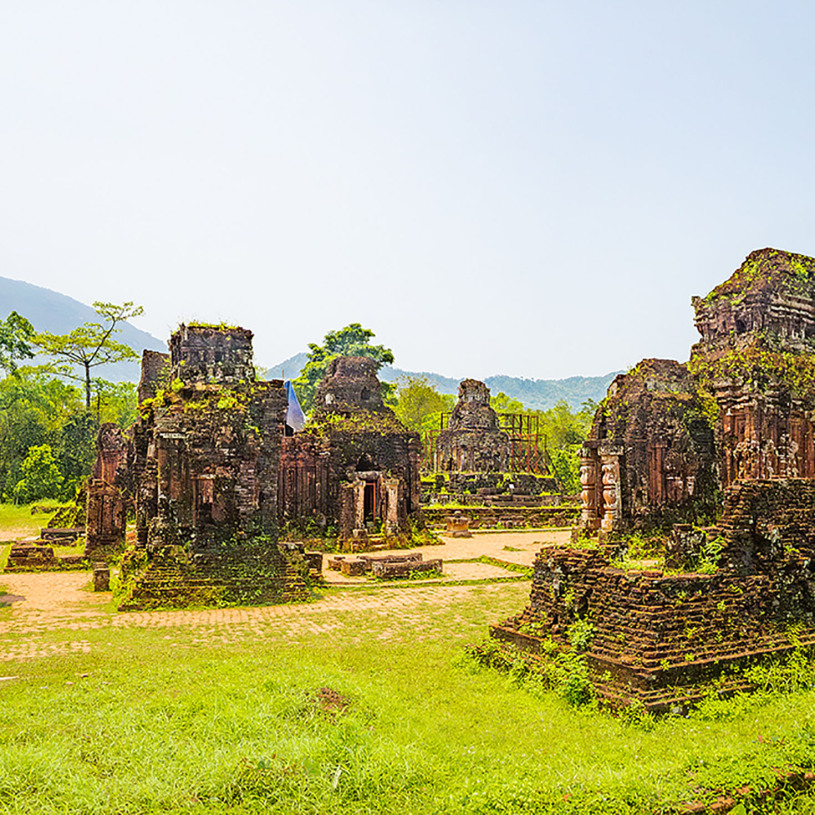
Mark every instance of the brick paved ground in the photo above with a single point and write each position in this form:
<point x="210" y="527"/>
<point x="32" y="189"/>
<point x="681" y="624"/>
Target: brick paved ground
<point x="47" y="602"/>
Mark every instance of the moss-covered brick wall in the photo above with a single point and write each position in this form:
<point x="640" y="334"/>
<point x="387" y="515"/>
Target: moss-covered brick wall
<point x="657" y="636"/>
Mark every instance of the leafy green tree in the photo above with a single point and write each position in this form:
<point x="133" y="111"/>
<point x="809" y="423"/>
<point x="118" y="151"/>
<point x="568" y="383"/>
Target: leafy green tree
<point x="564" y="465"/>
<point x="418" y="402"/>
<point x="505" y="404"/>
<point x="115" y="402"/>
<point x="33" y="411"/>
<point x="354" y="341"/>
<point x="41" y="477"/>
<point x="562" y="426"/>
<point x="90" y="345"/>
<point x="16" y="335"/>
<point x="565" y="431"/>
<point x="75" y="449"/>
<point x="37" y="409"/>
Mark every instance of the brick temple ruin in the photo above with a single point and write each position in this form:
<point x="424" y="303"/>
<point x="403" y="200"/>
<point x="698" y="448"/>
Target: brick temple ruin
<point x="354" y="468"/>
<point x="661" y="638"/>
<point x="667" y="442"/>
<point x="650" y="456"/>
<point x="202" y="476"/>
<point x="211" y="474"/>
<point x="106" y="515"/>
<point x="473" y="440"/>
<point x="493" y="462"/>
<point x="669" y="436"/>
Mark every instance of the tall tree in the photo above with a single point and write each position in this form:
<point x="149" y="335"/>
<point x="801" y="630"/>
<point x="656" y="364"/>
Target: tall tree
<point x="351" y="341"/>
<point x="417" y="400"/>
<point x="505" y="404"/>
<point x="90" y="345"/>
<point x="16" y="335"/>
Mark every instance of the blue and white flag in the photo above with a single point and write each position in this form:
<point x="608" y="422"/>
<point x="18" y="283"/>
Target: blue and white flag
<point x="295" y="418"/>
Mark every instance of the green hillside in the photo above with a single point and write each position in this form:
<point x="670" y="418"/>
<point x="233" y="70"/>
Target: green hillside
<point x="51" y="311"/>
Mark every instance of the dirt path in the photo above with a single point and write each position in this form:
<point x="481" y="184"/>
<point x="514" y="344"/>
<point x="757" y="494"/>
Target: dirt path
<point x="64" y="601"/>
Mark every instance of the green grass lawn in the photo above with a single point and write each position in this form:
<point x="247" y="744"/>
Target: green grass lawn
<point x="18" y="521"/>
<point x="176" y="720"/>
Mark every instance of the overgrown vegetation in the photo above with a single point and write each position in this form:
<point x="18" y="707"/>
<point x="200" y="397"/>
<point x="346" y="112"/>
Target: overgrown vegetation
<point x="353" y="340"/>
<point x="324" y="710"/>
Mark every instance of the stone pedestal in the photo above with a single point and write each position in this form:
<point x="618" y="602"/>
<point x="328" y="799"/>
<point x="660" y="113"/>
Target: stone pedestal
<point x="101" y="576"/>
<point x="458" y="526"/>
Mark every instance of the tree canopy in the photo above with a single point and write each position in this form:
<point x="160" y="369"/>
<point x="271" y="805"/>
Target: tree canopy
<point x="418" y="402"/>
<point x="506" y="404"/>
<point x="90" y="345"/>
<point x="16" y="336"/>
<point x="351" y="341"/>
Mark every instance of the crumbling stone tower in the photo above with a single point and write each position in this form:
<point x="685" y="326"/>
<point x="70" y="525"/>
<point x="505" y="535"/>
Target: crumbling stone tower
<point x="669" y="437"/>
<point x="756" y="358"/>
<point x="355" y="467"/>
<point x="106" y="510"/>
<point x="473" y="440"/>
<point x="650" y="456"/>
<point x="205" y="458"/>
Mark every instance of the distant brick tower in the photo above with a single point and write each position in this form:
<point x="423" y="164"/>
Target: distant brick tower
<point x="473" y="440"/>
<point x="354" y="467"/>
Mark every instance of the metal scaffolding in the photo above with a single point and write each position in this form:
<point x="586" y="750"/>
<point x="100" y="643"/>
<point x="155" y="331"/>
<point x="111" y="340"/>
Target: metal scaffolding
<point x="527" y="447"/>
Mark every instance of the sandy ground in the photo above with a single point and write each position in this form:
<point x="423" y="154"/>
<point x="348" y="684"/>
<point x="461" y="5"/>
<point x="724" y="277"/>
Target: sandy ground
<point x="41" y="602"/>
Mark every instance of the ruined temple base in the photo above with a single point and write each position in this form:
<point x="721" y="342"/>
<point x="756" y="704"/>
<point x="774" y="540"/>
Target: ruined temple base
<point x="37" y="557"/>
<point x="659" y="688"/>
<point x="666" y="638"/>
<point x="507" y="518"/>
<point x="174" y="579"/>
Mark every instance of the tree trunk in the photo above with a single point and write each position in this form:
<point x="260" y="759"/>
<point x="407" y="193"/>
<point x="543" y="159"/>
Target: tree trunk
<point x="87" y="386"/>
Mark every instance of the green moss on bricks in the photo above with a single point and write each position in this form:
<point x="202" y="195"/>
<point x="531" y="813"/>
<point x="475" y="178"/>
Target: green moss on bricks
<point x="766" y="268"/>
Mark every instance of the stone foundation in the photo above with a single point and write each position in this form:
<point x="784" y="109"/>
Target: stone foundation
<point x="661" y="639"/>
<point x="175" y="578"/>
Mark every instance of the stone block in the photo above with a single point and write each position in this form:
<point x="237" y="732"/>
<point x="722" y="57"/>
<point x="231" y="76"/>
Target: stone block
<point x="101" y="576"/>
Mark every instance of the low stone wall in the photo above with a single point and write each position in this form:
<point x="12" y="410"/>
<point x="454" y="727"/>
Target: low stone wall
<point x="502" y="500"/>
<point x="505" y="517"/>
<point x="38" y="558"/>
<point x="658" y="637"/>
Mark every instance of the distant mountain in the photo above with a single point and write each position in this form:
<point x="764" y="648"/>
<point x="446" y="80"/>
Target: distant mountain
<point x="51" y="311"/>
<point x="536" y="394"/>
<point x="288" y="369"/>
<point x="57" y="313"/>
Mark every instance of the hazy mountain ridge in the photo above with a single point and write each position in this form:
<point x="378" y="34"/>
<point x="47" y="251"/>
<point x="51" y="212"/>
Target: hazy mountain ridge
<point x="536" y="394"/>
<point x="58" y="313"/>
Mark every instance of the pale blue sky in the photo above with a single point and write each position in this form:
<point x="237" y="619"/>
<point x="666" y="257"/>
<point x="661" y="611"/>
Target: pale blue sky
<point x="528" y="188"/>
